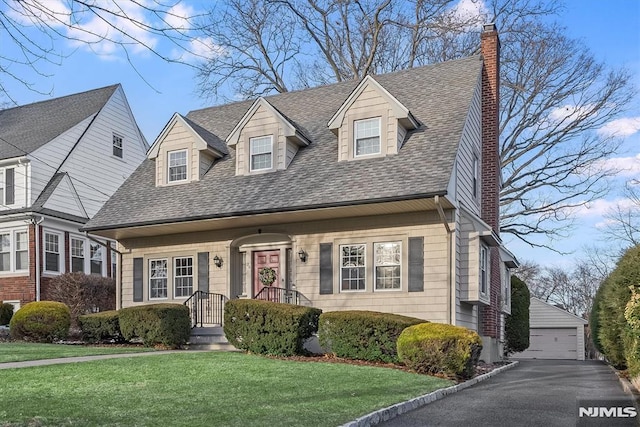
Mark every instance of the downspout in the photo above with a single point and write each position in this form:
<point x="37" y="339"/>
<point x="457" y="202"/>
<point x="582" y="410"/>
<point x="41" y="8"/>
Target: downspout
<point x="450" y="290"/>
<point x="36" y="227"/>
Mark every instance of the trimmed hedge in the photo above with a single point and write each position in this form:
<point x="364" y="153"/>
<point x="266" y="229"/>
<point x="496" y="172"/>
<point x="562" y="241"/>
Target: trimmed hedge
<point x="6" y="313"/>
<point x="156" y="324"/>
<point x="266" y="327"/>
<point x="41" y="321"/>
<point x="517" y="323"/>
<point x="437" y="348"/>
<point x="363" y="335"/>
<point x="98" y="327"/>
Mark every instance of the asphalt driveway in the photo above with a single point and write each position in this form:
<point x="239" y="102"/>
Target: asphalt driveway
<point x="535" y="393"/>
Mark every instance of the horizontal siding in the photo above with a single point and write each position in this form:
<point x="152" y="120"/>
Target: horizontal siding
<point x="20" y="186"/>
<point x="64" y="199"/>
<point x="470" y="146"/>
<point x="431" y="304"/>
<point x="542" y="315"/>
<point x="95" y="172"/>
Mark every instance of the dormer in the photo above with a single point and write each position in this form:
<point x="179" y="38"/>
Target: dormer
<point x="184" y="151"/>
<point x="265" y="140"/>
<point x="371" y="122"/>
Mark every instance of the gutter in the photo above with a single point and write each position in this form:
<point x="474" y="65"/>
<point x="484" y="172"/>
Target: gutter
<point x="168" y="221"/>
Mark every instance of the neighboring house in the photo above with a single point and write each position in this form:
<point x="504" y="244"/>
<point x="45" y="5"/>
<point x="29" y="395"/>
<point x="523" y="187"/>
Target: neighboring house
<point x="60" y="160"/>
<point x="553" y="333"/>
<point x="373" y="195"/>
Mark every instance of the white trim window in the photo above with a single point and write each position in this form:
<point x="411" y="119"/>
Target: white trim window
<point x="353" y="267"/>
<point x="261" y="153"/>
<point x="77" y="255"/>
<point x="177" y="166"/>
<point x="7" y="186"/>
<point x="506" y="286"/>
<point x="158" y="279"/>
<point x="476" y="168"/>
<point x="21" y="251"/>
<point x="5" y="252"/>
<point x="387" y="265"/>
<point x="183" y="276"/>
<point x="52" y="252"/>
<point x="366" y="137"/>
<point x="484" y="270"/>
<point x="117" y="146"/>
<point x="95" y="257"/>
<point x="114" y="264"/>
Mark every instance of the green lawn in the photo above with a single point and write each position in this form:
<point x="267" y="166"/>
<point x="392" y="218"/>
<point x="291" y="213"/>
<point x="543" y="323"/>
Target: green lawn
<point x="18" y="352"/>
<point x="202" y="389"/>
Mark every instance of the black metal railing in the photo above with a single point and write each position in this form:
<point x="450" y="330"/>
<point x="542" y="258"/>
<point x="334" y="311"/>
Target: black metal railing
<point x="275" y="294"/>
<point x="206" y="308"/>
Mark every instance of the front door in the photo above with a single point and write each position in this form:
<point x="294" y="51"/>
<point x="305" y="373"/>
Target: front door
<point x="262" y="261"/>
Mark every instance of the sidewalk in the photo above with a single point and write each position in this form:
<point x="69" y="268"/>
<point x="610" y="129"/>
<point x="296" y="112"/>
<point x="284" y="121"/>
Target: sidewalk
<point x="62" y="360"/>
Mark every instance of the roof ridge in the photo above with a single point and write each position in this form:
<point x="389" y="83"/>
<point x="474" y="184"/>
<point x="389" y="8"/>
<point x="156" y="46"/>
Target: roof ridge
<point x="58" y="98"/>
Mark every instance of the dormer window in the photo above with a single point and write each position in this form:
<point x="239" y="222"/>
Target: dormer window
<point x="261" y="153"/>
<point x="177" y="166"/>
<point x="367" y="136"/>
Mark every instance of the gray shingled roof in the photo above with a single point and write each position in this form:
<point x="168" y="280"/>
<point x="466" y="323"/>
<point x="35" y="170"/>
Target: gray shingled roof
<point x="26" y="128"/>
<point x="439" y="96"/>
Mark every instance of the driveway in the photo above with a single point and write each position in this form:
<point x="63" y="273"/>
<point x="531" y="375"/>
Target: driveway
<point x="534" y="393"/>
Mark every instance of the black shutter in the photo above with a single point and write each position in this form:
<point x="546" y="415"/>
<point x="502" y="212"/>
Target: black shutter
<point x="203" y="271"/>
<point x="10" y="191"/>
<point x="416" y="264"/>
<point x="326" y="269"/>
<point x="138" y="267"/>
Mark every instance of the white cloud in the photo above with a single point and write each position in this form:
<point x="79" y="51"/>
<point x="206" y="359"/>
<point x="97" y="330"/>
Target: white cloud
<point x="600" y="207"/>
<point x="468" y="14"/>
<point x="178" y="17"/>
<point x="625" y="166"/>
<point x="568" y="112"/>
<point x="199" y="49"/>
<point x="626" y="126"/>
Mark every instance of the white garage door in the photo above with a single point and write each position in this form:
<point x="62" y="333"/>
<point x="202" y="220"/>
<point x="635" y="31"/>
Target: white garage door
<point x="552" y="343"/>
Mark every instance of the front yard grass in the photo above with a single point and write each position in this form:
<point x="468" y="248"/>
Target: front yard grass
<point x="202" y="389"/>
<point x="21" y="351"/>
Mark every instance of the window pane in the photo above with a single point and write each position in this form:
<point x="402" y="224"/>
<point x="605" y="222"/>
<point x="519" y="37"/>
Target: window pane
<point x="5" y="252"/>
<point x="158" y="278"/>
<point x="352" y="267"/>
<point x="177" y="166"/>
<point x="183" y="276"/>
<point x="388" y="258"/>
<point x="367" y="136"/>
<point x="22" y="250"/>
<point x="96" y="258"/>
<point x="52" y="254"/>
<point x="261" y="153"/>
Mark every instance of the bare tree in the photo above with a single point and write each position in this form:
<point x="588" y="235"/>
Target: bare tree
<point x="554" y="94"/>
<point x="39" y="33"/>
<point x="624" y="218"/>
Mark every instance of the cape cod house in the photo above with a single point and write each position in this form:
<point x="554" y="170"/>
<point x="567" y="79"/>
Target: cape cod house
<point x="373" y="195"/>
<point x="60" y="160"/>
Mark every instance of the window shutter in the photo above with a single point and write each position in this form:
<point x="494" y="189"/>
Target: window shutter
<point x="203" y="271"/>
<point x="138" y="267"/>
<point x="326" y="269"/>
<point x="10" y="184"/>
<point x="416" y="264"/>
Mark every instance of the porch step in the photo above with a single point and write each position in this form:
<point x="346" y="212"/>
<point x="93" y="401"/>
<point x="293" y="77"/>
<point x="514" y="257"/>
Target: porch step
<point x="209" y="338"/>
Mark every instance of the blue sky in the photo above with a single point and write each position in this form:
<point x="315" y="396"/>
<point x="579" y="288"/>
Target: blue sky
<point x="611" y="29"/>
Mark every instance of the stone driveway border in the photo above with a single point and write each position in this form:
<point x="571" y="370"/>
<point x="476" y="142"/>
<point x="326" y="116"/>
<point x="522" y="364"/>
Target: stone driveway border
<point x="393" y="411"/>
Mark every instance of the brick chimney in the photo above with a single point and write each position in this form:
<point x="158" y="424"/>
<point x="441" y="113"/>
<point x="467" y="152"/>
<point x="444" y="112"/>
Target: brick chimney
<point x="490" y="202"/>
<point x="490" y="49"/>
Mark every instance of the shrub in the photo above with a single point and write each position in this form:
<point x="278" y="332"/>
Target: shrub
<point x="517" y="324"/>
<point x="83" y="293"/>
<point x="363" y="335"/>
<point x="41" y="321"/>
<point x="104" y="326"/>
<point x="436" y="348"/>
<point x="266" y="327"/>
<point x="156" y="324"/>
<point x="594" y="320"/>
<point x="6" y="313"/>
<point x="613" y="330"/>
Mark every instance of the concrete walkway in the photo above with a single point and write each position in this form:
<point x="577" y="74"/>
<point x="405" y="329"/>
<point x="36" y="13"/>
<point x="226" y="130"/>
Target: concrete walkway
<point x="45" y="362"/>
<point x="534" y="393"/>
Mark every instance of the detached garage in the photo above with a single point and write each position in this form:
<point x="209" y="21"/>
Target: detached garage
<point x="553" y="333"/>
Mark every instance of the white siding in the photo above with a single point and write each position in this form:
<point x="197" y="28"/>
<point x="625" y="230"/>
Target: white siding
<point x="21" y="172"/>
<point x="65" y="199"/>
<point x="47" y="159"/>
<point x="95" y="172"/>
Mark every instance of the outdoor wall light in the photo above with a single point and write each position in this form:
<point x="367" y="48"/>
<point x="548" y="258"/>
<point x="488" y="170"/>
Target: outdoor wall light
<point x="302" y="255"/>
<point x="217" y="261"/>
